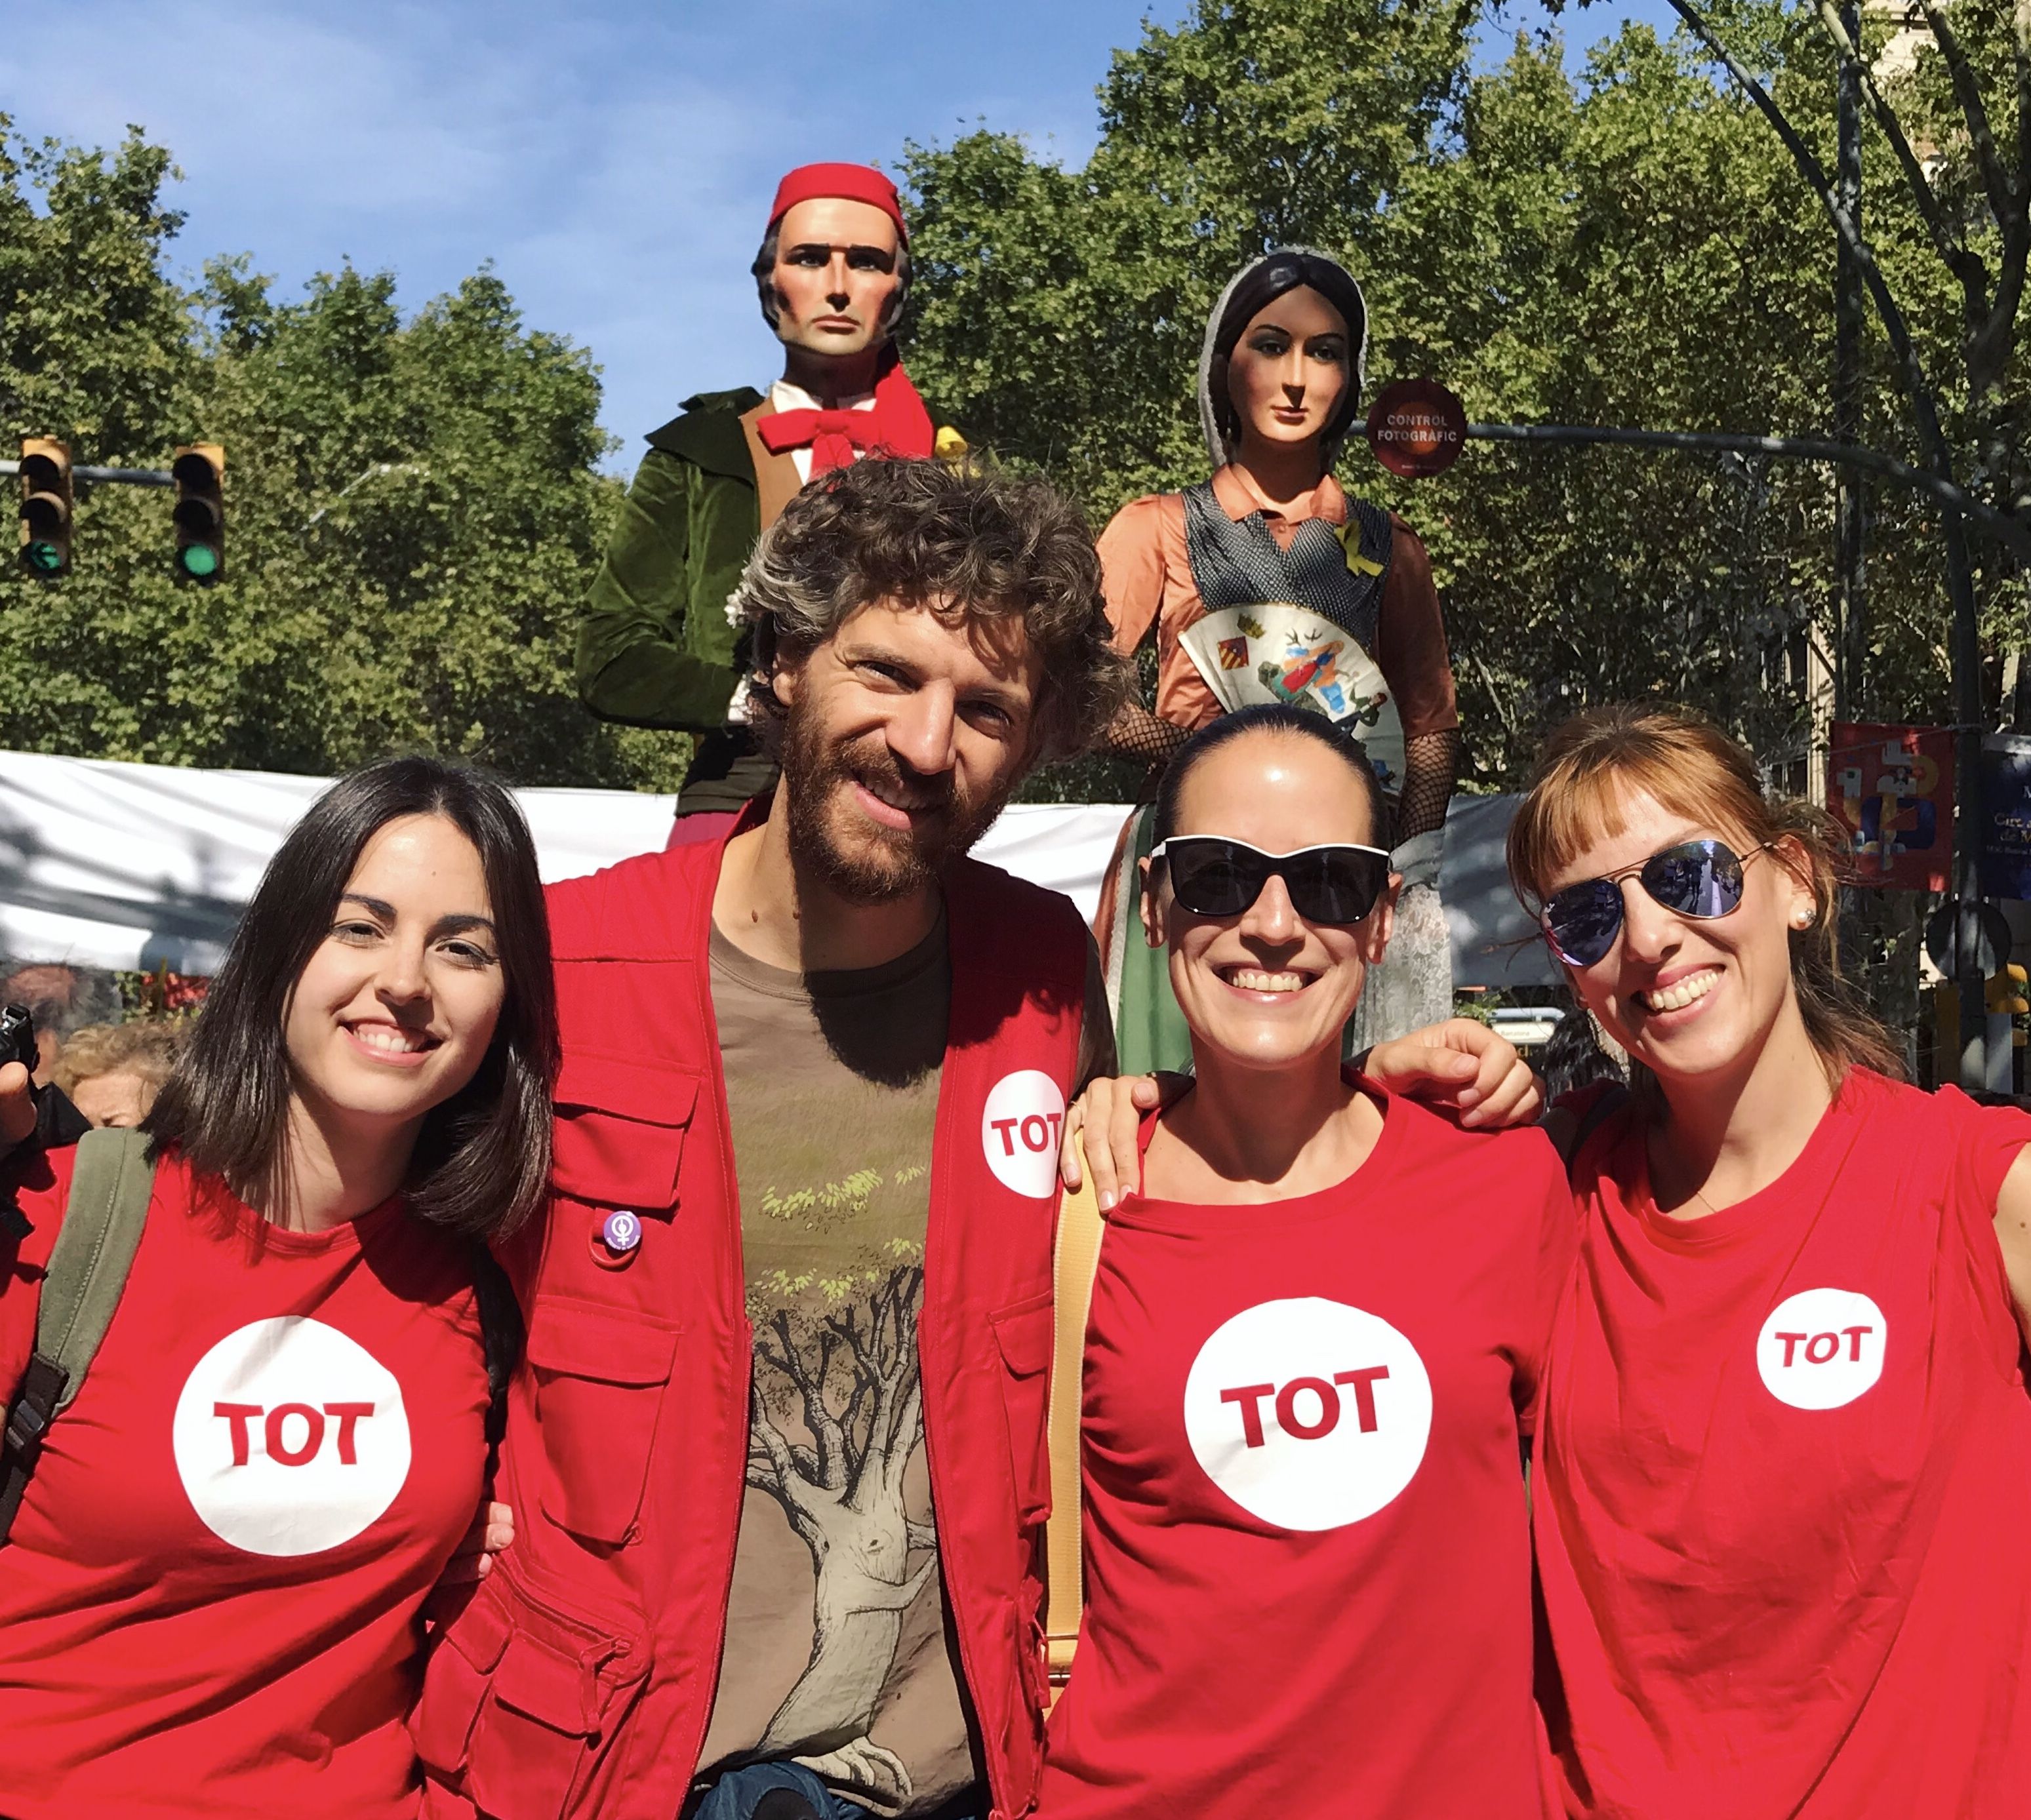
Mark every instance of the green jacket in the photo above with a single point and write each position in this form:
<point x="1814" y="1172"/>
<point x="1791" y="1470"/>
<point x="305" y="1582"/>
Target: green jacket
<point x="654" y="647"/>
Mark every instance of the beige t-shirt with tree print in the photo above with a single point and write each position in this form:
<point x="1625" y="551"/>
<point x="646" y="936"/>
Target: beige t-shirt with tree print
<point x="836" y="1654"/>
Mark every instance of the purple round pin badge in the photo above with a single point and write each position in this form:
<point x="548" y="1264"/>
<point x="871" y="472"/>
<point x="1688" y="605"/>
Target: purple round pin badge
<point x="621" y="1232"/>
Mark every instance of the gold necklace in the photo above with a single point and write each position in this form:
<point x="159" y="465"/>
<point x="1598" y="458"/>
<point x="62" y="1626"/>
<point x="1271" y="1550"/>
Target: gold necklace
<point x="1702" y="1200"/>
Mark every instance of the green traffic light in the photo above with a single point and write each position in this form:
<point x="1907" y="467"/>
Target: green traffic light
<point x="45" y="559"/>
<point x="198" y="560"/>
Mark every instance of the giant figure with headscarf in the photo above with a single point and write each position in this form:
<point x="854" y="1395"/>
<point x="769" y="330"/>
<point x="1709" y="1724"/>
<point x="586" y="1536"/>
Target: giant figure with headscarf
<point x="1267" y="583"/>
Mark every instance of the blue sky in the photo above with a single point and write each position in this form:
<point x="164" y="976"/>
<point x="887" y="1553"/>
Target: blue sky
<point x="614" y="160"/>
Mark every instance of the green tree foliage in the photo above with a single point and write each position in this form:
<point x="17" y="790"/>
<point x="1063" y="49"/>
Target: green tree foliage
<point x="413" y="507"/>
<point x="1630" y="246"/>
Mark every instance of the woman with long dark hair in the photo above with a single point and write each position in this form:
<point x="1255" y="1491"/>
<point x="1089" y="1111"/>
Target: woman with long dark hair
<point x="1316" y="1331"/>
<point x="210" y="1596"/>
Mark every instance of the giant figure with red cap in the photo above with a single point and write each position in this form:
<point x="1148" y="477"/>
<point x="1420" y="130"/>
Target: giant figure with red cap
<point x="655" y="648"/>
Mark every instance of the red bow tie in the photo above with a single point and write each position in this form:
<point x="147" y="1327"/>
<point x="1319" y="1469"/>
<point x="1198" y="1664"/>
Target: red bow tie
<point x="833" y="437"/>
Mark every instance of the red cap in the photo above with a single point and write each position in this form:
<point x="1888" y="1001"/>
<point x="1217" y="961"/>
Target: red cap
<point x="856" y="183"/>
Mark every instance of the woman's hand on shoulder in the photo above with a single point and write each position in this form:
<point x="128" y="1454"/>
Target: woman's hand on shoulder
<point x="1109" y="1115"/>
<point x="1464" y="1067"/>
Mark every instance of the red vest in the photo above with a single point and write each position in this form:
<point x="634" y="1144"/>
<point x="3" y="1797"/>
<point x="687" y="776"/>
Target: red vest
<point x="580" y="1678"/>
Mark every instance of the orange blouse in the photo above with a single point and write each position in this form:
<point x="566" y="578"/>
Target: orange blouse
<point x="1148" y="580"/>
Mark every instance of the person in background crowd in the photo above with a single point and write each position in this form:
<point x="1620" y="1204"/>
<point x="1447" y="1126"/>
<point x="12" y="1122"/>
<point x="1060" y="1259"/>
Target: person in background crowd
<point x="655" y="646"/>
<point x="210" y="1596"/>
<point x="1267" y="583"/>
<point x="62" y="998"/>
<point x="778" y="1468"/>
<point x="111" y="1073"/>
<point x="1573" y="1057"/>
<point x="1317" y="1330"/>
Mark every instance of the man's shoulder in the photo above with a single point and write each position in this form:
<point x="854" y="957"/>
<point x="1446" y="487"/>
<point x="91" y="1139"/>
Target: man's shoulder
<point x="706" y="432"/>
<point x="981" y="894"/>
<point x="637" y="909"/>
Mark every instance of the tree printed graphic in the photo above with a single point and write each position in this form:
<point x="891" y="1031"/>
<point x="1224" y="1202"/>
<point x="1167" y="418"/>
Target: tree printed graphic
<point x="851" y="1374"/>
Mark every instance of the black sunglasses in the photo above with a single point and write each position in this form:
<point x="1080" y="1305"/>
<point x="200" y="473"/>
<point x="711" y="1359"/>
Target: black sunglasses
<point x="1702" y="879"/>
<point x="1212" y="875"/>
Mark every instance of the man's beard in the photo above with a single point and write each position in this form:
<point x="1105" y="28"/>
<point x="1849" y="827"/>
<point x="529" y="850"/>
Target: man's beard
<point x="873" y="865"/>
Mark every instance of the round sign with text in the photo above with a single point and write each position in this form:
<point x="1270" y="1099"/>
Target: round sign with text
<point x="1822" y="1347"/>
<point x="1308" y="1413"/>
<point x="290" y="1438"/>
<point x="1018" y="1131"/>
<point x="1417" y="428"/>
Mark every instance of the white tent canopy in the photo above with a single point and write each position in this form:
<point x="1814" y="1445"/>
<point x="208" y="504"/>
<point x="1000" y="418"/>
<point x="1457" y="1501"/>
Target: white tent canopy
<point x="133" y="865"/>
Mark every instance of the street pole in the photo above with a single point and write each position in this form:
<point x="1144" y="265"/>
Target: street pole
<point x="1969" y="979"/>
<point x="110" y="476"/>
<point x="1851" y="617"/>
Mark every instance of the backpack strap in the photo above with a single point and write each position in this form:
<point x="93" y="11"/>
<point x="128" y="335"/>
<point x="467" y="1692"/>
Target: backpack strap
<point x="1073" y="1262"/>
<point x="94" y="1250"/>
<point x="502" y="1336"/>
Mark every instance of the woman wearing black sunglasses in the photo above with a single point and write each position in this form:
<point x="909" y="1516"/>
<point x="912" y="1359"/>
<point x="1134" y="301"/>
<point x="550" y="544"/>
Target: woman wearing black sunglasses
<point x="1316" y="1330"/>
<point x="1784" y="1462"/>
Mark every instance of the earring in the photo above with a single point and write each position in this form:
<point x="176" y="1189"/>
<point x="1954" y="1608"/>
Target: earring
<point x="1802" y="920"/>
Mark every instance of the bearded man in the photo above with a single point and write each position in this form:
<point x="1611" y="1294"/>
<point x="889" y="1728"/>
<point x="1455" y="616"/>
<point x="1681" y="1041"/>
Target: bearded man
<point x="778" y="1464"/>
<point x="655" y="646"/>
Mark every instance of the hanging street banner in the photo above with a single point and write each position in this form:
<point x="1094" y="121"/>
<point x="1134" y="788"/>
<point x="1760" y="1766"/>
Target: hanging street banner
<point x="1417" y="428"/>
<point x="2005" y="815"/>
<point x="1892" y="789"/>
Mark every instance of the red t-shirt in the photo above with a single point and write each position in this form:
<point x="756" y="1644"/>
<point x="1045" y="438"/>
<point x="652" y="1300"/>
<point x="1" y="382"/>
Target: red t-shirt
<point x="1308" y="1578"/>
<point x="1784" y="1488"/>
<point x="209" y="1604"/>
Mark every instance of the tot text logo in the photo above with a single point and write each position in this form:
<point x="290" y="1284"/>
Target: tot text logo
<point x="290" y="1438"/>
<point x="1822" y="1347"/>
<point x="1308" y="1413"/>
<point x="1018" y="1131"/>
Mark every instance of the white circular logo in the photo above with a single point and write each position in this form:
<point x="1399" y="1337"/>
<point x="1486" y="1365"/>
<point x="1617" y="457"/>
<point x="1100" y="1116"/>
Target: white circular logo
<point x="1822" y="1347"/>
<point x="290" y="1438"/>
<point x="1308" y="1413"/>
<point x="1018" y="1130"/>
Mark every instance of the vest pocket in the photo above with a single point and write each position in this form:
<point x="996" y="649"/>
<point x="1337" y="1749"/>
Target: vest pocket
<point x="600" y="1377"/>
<point x="1023" y="1332"/>
<point x="519" y="1710"/>
<point x="619" y="1135"/>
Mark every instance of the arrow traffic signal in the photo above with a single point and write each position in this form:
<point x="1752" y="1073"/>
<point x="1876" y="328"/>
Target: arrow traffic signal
<point x="46" y="507"/>
<point x="200" y="472"/>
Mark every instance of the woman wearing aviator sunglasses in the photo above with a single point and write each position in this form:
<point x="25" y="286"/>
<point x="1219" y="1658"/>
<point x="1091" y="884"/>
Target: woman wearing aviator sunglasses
<point x="1784" y="1463"/>
<point x="1316" y="1327"/>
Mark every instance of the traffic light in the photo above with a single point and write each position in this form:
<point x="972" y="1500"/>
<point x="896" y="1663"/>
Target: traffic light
<point x="45" y="506"/>
<point x="200" y="472"/>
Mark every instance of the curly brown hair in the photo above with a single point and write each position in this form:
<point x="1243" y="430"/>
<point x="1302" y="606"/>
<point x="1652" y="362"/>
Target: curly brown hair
<point x="967" y="541"/>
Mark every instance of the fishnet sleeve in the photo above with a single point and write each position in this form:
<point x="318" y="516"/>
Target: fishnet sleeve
<point x="1431" y="761"/>
<point x="1136" y="733"/>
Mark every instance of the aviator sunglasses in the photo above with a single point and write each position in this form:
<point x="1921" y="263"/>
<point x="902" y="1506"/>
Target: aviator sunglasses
<point x="1700" y="879"/>
<point x="1212" y="876"/>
